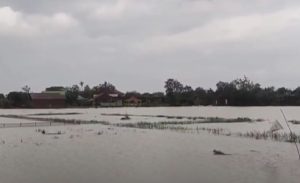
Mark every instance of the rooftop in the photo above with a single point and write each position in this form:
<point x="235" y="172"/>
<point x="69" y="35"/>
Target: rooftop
<point x="47" y="96"/>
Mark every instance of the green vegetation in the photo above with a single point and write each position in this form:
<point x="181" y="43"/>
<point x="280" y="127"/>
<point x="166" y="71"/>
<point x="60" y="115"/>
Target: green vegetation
<point x="3" y="101"/>
<point x="19" y="99"/>
<point x="281" y="137"/>
<point x="178" y="126"/>
<point x="194" y="118"/>
<point x="56" y="120"/>
<point x="55" y="114"/>
<point x="72" y="95"/>
<point x="239" y="92"/>
<point x="55" y="88"/>
<point x="166" y="124"/>
<point x="265" y="135"/>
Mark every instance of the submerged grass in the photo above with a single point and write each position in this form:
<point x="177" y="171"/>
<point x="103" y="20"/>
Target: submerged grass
<point x="228" y="120"/>
<point x="54" y="114"/>
<point x="166" y="124"/>
<point x="175" y="126"/>
<point x="192" y="119"/>
<point x="265" y="135"/>
<point x="56" y="120"/>
<point x="157" y="126"/>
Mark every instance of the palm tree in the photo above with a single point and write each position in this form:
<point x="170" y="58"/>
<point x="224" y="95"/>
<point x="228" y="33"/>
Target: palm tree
<point x="26" y="89"/>
<point x="81" y="83"/>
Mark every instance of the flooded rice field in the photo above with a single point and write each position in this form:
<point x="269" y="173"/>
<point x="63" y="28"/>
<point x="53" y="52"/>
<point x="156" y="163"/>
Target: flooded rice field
<point x="177" y="147"/>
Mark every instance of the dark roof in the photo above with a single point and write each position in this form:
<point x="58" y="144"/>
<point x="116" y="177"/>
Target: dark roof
<point x="46" y="96"/>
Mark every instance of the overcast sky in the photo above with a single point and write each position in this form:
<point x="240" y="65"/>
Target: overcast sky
<point x="138" y="44"/>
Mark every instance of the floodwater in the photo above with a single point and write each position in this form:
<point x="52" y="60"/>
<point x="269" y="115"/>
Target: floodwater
<point x="98" y="153"/>
<point x="269" y="113"/>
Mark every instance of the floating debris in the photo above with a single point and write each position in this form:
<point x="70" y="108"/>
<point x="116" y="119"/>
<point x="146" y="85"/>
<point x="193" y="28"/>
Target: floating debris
<point x="51" y="133"/>
<point x="218" y="152"/>
<point x="126" y="117"/>
<point x="295" y="122"/>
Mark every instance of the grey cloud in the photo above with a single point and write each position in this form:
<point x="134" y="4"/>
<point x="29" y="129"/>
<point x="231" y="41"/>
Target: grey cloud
<point x="138" y="44"/>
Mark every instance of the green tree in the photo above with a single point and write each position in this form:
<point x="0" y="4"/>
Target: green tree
<point x="2" y="98"/>
<point x="173" y="86"/>
<point x="87" y="92"/>
<point x="200" y="96"/>
<point x="284" y="96"/>
<point x="225" y="93"/>
<point x="106" y="87"/>
<point x="72" y="95"/>
<point x="19" y="99"/>
<point x="246" y="92"/>
<point x="173" y="89"/>
<point x="186" y="97"/>
<point x="55" y="88"/>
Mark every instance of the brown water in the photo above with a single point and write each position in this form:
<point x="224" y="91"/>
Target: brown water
<point x="137" y="155"/>
<point x="270" y="113"/>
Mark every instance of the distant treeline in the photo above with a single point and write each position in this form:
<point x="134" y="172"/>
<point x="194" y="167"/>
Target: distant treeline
<point x="239" y="92"/>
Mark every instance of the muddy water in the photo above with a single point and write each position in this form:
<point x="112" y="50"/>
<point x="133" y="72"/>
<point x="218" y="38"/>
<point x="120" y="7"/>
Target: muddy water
<point x="270" y="113"/>
<point x="137" y="155"/>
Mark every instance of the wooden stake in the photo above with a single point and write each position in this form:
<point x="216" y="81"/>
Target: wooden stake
<point x="290" y="131"/>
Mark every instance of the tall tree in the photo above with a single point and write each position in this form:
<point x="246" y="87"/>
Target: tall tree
<point x="87" y="92"/>
<point x="106" y="87"/>
<point x="173" y="86"/>
<point x="173" y="90"/>
<point x="72" y="95"/>
<point x="81" y="83"/>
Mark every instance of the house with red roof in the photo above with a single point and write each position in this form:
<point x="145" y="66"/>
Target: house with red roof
<point x="109" y="99"/>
